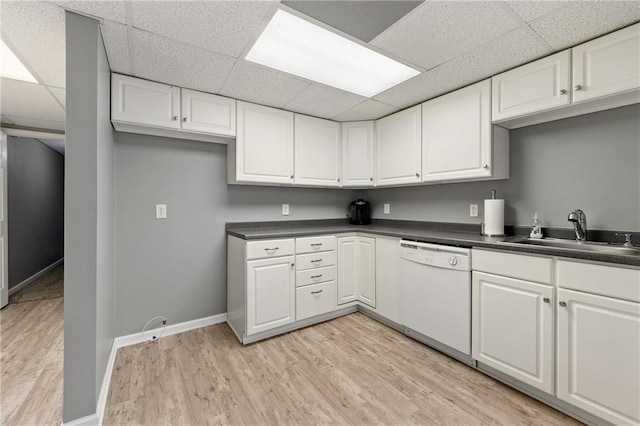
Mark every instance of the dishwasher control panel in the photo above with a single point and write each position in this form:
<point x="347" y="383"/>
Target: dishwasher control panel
<point x="436" y="255"/>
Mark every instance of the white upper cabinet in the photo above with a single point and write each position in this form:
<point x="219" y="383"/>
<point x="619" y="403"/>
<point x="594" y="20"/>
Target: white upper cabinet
<point x="538" y="86"/>
<point x="607" y="65"/>
<point x="144" y="102"/>
<point x="357" y="153"/>
<point x="317" y="151"/>
<point x="207" y="113"/>
<point x="458" y="139"/>
<point x="263" y="151"/>
<point x="399" y="147"/>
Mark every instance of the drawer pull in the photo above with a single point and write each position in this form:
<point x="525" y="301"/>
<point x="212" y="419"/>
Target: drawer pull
<point x="316" y="244"/>
<point x="271" y="250"/>
<point x="316" y="292"/>
<point x="316" y="261"/>
<point x="316" y="276"/>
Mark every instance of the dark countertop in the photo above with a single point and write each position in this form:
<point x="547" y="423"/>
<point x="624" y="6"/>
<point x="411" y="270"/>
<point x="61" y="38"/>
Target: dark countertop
<point x="459" y="235"/>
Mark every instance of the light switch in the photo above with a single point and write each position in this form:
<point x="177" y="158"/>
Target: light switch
<point x="285" y="210"/>
<point x="387" y="208"/>
<point x="473" y="210"/>
<point x="161" y="211"/>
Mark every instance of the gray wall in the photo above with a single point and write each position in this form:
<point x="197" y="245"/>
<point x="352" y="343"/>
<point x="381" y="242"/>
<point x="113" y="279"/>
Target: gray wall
<point x="89" y="290"/>
<point x="590" y="162"/>
<point x="176" y="267"/>
<point x="35" y="207"/>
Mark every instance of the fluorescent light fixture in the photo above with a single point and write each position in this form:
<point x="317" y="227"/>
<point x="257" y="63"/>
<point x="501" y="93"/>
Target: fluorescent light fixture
<point x="11" y="67"/>
<point x="298" y="47"/>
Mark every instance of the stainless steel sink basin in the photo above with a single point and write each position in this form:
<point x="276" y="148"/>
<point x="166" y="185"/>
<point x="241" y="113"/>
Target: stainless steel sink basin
<point x="588" y="246"/>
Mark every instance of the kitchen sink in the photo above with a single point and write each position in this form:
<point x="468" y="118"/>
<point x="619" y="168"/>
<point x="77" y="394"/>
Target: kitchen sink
<point x="588" y="246"/>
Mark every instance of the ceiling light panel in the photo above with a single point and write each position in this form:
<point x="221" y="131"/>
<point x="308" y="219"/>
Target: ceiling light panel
<point x="298" y="47"/>
<point x="11" y="67"/>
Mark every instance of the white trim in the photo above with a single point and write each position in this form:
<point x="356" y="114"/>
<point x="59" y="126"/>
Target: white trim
<point x="35" y="276"/>
<point x="90" y="420"/>
<point x="106" y="382"/>
<point x="135" y="338"/>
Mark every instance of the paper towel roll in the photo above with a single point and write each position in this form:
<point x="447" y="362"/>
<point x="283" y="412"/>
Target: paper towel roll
<point x="493" y="217"/>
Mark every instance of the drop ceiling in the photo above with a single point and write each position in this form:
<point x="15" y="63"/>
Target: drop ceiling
<point x="199" y="45"/>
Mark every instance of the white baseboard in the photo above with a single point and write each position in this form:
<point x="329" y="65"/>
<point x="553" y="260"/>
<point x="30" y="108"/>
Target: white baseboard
<point x="35" y="276"/>
<point x="133" y="339"/>
<point x="90" y="420"/>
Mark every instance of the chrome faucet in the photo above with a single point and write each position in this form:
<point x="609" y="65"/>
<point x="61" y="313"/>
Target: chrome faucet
<point x="579" y="221"/>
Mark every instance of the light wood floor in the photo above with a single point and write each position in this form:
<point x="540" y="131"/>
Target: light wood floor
<point x="352" y="370"/>
<point x="31" y="359"/>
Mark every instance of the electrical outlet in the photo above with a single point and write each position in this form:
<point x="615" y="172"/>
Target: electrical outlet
<point x="285" y="210"/>
<point x="473" y="210"/>
<point x="161" y="211"/>
<point x="387" y="208"/>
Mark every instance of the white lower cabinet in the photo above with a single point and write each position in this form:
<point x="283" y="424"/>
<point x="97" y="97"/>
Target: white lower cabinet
<point x="386" y="279"/>
<point x="270" y="293"/>
<point x="512" y="328"/>
<point x="356" y="270"/>
<point x="315" y="299"/>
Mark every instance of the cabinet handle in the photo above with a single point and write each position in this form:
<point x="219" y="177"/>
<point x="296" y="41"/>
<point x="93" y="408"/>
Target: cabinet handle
<point x="486" y="167"/>
<point x="293" y="264"/>
<point x="563" y="304"/>
<point x="184" y="119"/>
<point x="315" y="244"/>
<point x="271" y="249"/>
<point x="546" y="300"/>
<point x="175" y="118"/>
<point x="316" y="276"/>
<point x="338" y="179"/>
<point x="316" y="292"/>
<point x="316" y="261"/>
<point x="563" y="92"/>
<point x="371" y="179"/>
<point x="578" y="87"/>
<point x="291" y="176"/>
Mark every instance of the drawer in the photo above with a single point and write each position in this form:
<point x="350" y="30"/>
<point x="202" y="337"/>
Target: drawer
<point x="316" y="299"/>
<point x="269" y="248"/>
<point x="611" y="281"/>
<point x="315" y="276"/>
<point x="315" y="260"/>
<point x="524" y="267"/>
<point x="314" y="244"/>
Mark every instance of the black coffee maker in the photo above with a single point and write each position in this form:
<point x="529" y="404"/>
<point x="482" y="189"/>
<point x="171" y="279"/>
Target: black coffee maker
<point x="359" y="212"/>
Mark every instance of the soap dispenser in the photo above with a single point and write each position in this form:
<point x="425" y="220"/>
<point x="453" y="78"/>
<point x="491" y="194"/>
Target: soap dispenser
<point x="536" y="228"/>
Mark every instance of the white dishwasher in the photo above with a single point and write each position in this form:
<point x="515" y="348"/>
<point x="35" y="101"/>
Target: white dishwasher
<point x="435" y="296"/>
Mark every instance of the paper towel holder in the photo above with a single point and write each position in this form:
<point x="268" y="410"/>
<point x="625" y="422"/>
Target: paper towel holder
<point x="493" y="197"/>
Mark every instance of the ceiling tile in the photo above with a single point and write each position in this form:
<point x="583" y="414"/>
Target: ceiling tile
<point x="36" y="30"/>
<point x="323" y="101"/>
<point x="512" y="49"/>
<point x="5" y="119"/>
<point x="29" y="100"/>
<point x="161" y="59"/>
<point x="60" y="95"/>
<point x="221" y="26"/>
<point x="37" y="123"/>
<point x="582" y="21"/>
<point x="367" y="110"/>
<point x="114" y="10"/>
<point x="530" y="10"/>
<point x="436" y="32"/>
<point x="117" y="46"/>
<point x="262" y="85"/>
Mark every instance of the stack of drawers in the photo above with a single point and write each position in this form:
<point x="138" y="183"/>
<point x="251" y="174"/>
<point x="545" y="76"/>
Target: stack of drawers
<point x="316" y="289"/>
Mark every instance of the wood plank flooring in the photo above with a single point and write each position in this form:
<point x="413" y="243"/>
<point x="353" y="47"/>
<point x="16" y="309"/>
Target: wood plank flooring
<point x="351" y="370"/>
<point x="31" y="360"/>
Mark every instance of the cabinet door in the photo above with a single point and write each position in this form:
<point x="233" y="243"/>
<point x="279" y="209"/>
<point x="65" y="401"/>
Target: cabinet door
<point x="399" y="147"/>
<point x="317" y="148"/>
<point x="264" y="145"/>
<point x="347" y="270"/>
<point x="534" y="87"/>
<point x="366" y="267"/>
<point x="270" y="294"/>
<point x="457" y="135"/>
<point x="207" y="113"/>
<point x="512" y="328"/>
<point x="357" y="153"/>
<point x="607" y="65"/>
<point x="144" y="102"/>
<point x="387" y="283"/>
<point x="599" y="355"/>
